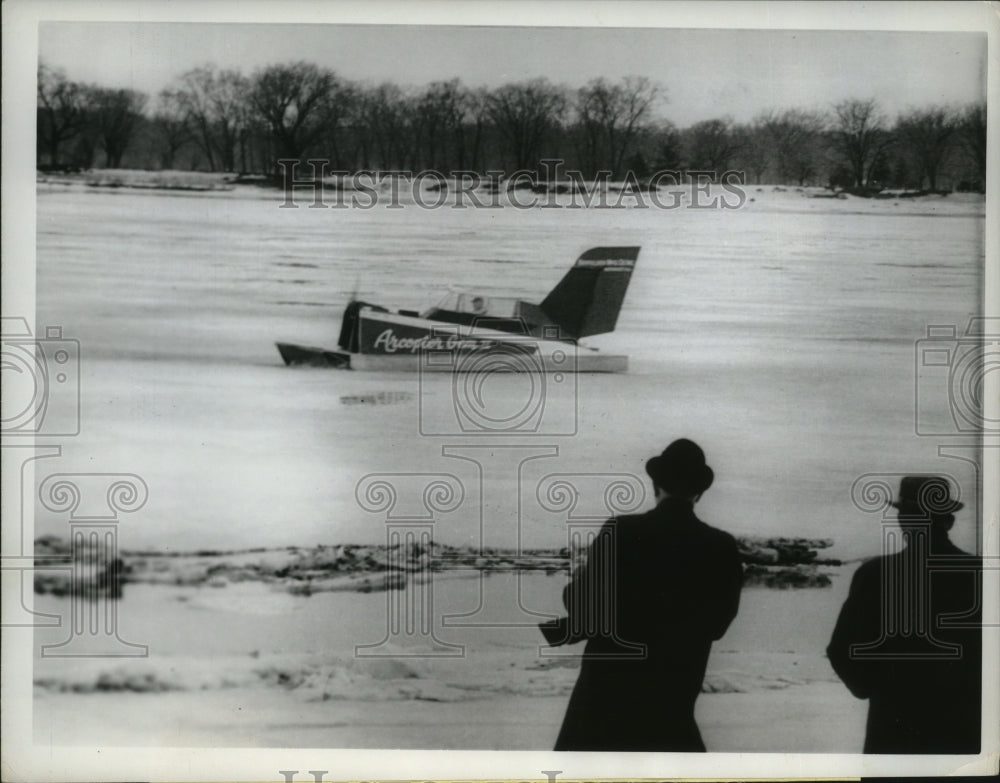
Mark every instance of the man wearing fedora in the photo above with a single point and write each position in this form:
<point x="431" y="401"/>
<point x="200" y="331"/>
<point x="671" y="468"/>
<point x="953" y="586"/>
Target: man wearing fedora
<point x="658" y="588"/>
<point x="909" y="637"/>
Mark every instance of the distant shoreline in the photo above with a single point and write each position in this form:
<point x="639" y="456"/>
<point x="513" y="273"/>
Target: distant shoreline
<point x="215" y="181"/>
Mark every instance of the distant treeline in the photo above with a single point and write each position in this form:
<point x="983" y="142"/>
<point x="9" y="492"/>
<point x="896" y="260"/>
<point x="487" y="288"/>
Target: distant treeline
<point x="213" y="119"/>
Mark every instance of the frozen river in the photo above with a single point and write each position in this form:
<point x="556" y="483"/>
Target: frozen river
<point x="780" y="336"/>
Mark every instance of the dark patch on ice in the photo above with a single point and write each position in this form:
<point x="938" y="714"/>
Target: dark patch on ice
<point x="293" y="282"/>
<point x="914" y="266"/>
<point x="497" y="261"/>
<point x="306" y="304"/>
<point x="116" y="681"/>
<point x="559" y="662"/>
<point x="377" y="398"/>
<point x="868" y="339"/>
<point x="296" y="264"/>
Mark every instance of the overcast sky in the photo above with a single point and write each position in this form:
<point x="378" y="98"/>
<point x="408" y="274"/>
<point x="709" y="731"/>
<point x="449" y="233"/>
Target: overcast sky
<point x="706" y="73"/>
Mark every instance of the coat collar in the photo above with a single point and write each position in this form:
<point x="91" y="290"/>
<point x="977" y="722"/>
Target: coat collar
<point x="676" y="508"/>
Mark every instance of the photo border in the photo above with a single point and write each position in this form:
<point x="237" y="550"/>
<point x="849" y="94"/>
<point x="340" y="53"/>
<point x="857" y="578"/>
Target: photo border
<point x="24" y="760"/>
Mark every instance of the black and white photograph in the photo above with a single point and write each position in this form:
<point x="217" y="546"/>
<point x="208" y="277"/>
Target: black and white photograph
<point x="611" y="387"/>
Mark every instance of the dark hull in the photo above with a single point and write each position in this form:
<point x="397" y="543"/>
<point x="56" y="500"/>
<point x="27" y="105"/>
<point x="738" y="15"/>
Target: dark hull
<point x="401" y="343"/>
<point x="304" y="355"/>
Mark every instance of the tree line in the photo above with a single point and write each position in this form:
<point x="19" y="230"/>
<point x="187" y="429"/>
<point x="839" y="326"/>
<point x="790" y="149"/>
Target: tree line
<point x="214" y="119"/>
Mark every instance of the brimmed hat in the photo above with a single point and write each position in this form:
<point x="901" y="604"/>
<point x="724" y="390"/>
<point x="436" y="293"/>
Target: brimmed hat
<point x="930" y="495"/>
<point x="681" y="469"/>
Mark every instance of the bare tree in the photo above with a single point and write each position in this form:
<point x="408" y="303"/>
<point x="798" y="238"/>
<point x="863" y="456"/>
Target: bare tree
<point x="795" y="138"/>
<point x="383" y="117"/>
<point x="61" y="113"/>
<point x="860" y="137"/>
<point x="971" y="127"/>
<point x="232" y="110"/>
<point x="755" y="150"/>
<point x="667" y="147"/>
<point x="525" y="114"/>
<point x="193" y="93"/>
<point x="116" y="115"/>
<point x="216" y="106"/>
<point x="609" y="118"/>
<point x="298" y="101"/>
<point x="438" y="114"/>
<point x="334" y="142"/>
<point x="475" y="125"/>
<point x="927" y="136"/>
<point x="712" y="144"/>
<point x="171" y="126"/>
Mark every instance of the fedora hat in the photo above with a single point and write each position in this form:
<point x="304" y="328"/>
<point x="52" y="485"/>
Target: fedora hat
<point x="930" y="495"/>
<point x="681" y="469"/>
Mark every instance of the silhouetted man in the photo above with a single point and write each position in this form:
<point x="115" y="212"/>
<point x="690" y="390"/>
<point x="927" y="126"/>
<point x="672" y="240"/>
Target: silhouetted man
<point x="657" y="590"/>
<point x="909" y="638"/>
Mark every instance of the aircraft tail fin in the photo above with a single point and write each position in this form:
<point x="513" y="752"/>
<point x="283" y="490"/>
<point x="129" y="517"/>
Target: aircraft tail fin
<point x="588" y="298"/>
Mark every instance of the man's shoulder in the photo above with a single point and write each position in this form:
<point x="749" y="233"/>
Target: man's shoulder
<point x="638" y="525"/>
<point x="869" y="573"/>
<point x="627" y="526"/>
<point x="949" y="553"/>
<point x="872" y="567"/>
<point x="635" y="522"/>
<point x="631" y="520"/>
<point x="717" y="535"/>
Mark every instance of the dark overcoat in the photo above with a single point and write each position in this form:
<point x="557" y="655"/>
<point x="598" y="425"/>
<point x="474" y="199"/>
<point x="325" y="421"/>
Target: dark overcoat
<point x="913" y="620"/>
<point x="663" y="584"/>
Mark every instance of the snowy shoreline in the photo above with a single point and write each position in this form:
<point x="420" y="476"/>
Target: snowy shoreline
<point x="249" y="658"/>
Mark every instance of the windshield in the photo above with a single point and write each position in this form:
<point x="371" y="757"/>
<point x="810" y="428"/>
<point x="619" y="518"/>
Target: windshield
<point x="477" y="304"/>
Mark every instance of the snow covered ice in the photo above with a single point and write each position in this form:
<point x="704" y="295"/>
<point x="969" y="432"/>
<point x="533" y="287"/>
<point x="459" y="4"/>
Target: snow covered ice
<point x="780" y="336"/>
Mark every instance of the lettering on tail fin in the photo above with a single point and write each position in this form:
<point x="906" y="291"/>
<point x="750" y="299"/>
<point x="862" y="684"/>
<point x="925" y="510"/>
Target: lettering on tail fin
<point x="589" y="297"/>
